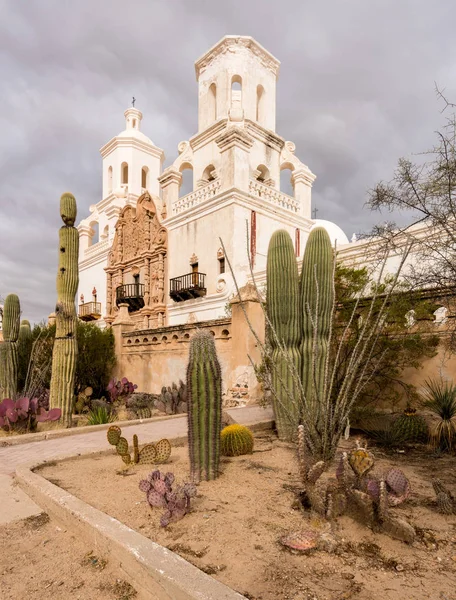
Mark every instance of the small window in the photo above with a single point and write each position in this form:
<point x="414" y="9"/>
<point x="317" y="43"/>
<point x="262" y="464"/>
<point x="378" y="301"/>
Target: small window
<point x="144" y="178"/>
<point x="124" y="173"/>
<point x="134" y="123"/>
<point x="221" y="265"/>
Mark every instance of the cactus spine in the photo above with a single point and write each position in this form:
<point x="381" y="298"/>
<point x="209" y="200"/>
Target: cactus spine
<point x="317" y="297"/>
<point x="204" y="392"/>
<point x="65" y="346"/>
<point x="8" y="350"/>
<point x="282" y="302"/>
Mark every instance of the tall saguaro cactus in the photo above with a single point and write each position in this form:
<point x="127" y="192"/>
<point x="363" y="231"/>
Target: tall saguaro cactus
<point x="282" y="300"/>
<point x="8" y="350"/>
<point x="317" y="298"/>
<point x="204" y="397"/>
<point x="65" y="350"/>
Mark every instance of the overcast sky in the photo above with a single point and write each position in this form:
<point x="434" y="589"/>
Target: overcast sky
<point x="355" y="92"/>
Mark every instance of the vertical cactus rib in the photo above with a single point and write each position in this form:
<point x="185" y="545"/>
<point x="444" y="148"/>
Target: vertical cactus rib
<point x="65" y="350"/>
<point x="8" y="350"/>
<point x="317" y="297"/>
<point x="282" y="300"/>
<point x="204" y="391"/>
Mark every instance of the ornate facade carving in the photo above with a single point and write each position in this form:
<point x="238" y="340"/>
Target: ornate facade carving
<point x="139" y="250"/>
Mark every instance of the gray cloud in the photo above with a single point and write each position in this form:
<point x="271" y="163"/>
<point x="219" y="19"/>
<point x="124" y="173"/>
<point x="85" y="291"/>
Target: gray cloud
<point x="355" y="92"/>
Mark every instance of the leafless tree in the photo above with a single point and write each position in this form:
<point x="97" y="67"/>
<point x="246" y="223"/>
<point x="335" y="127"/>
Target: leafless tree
<point x="426" y="190"/>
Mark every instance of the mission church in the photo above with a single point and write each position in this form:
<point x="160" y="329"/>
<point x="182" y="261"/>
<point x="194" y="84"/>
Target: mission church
<point x="158" y="248"/>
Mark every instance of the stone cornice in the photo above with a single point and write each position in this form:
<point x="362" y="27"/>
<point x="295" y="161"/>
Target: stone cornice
<point x="266" y="136"/>
<point x="131" y="142"/>
<point x="230" y="43"/>
<point x="169" y="176"/>
<point x="203" y="137"/>
<point x="234" y="137"/>
<point x="94" y="260"/>
<point x="235" y="196"/>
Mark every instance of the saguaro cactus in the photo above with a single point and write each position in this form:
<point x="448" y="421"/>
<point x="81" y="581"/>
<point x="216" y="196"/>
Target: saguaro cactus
<point x="8" y="350"/>
<point x="282" y="301"/>
<point x="204" y="393"/>
<point x="24" y="349"/>
<point x="65" y="346"/>
<point x="317" y="297"/>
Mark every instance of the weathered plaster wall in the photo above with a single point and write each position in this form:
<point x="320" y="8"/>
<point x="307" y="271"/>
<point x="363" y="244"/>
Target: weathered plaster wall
<point x="153" y="358"/>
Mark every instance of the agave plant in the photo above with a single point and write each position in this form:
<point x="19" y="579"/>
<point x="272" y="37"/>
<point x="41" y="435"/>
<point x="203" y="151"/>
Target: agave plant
<point x="23" y="414"/>
<point x="440" y="398"/>
<point x="100" y="415"/>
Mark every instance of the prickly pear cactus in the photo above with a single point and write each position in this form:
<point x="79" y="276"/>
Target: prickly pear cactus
<point x="9" y="347"/>
<point x="236" y="440"/>
<point x="148" y="455"/>
<point x="65" y="350"/>
<point x="163" y="451"/>
<point x="113" y="434"/>
<point x="361" y="461"/>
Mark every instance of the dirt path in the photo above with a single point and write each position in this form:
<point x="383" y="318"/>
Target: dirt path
<point x="40" y="559"/>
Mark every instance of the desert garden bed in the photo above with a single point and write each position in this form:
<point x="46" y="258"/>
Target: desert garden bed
<point x="236" y="522"/>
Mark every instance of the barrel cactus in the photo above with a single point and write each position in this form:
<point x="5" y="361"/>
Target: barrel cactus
<point x="236" y="440"/>
<point x="411" y="427"/>
<point x="282" y="300"/>
<point x="204" y="393"/>
<point x="65" y="346"/>
<point x="317" y="299"/>
<point x="9" y="348"/>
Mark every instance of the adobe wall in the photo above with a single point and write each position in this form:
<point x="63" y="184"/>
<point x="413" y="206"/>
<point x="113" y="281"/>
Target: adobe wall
<point x="153" y="358"/>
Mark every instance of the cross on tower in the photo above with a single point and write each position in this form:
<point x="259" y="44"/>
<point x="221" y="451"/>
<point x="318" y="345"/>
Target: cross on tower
<point x="133" y="100"/>
<point x="315" y="210"/>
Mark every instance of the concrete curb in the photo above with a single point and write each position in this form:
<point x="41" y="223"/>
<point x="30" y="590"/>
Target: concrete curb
<point x="52" y="434"/>
<point x="156" y="572"/>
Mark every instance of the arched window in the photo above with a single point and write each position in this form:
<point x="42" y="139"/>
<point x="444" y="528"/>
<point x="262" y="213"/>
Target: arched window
<point x="212" y="102"/>
<point x="144" y="177"/>
<point x="236" y="91"/>
<point x="105" y="233"/>
<point x="109" y="180"/>
<point x="260" y="104"/>
<point x="209" y="173"/>
<point x="286" y="186"/>
<point x="124" y="173"/>
<point x="187" y="179"/>
<point x="262" y="173"/>
<point x="94" y="233"/>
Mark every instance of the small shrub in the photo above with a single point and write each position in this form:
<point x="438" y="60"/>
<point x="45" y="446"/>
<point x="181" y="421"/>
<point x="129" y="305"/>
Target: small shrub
<point x="440" y="399"/>
<point x="120" y="390"/>
<point x="100" y="415"/>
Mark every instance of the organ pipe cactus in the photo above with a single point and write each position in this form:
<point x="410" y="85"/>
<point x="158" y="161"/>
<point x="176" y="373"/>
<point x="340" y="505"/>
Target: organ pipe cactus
<point x="8" y="350"/>
<point x="317" y="300"/>
<point x="283" y="311"/>
<point x="204" y="393"/>
<point x="65" y="346"/>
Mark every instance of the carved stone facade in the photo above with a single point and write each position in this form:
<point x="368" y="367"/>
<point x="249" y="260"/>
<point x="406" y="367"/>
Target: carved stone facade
<point x="138" y="256"/>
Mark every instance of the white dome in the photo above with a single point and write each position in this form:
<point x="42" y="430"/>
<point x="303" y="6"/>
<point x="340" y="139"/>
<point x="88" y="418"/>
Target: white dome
<point x="334" y="231"/>
<point x="135" y="133"/>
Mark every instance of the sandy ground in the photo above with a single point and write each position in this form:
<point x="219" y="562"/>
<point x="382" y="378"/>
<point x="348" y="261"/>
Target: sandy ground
<point x="233" y="530"/>
<point x="40" y="559"/>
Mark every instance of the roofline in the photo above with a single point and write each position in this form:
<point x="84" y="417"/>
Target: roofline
<point x="229" y="40"/>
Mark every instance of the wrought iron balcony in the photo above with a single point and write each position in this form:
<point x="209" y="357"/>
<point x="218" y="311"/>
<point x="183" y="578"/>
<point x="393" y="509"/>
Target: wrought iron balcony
<point x="187" y="286"/>
<point x="90" y="311"/>
<point x="131" y="294"/>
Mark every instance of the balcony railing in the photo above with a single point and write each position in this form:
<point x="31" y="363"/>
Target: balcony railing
<point x="90" y="311"/>
<point x="269" y="194"/>
<point x="207" y="192"/>
<point x="187" y="286"/>
<point x="131" y="294"/>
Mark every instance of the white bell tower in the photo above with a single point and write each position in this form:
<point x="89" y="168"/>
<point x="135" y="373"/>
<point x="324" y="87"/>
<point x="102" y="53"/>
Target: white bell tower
<point x="132" y="164"/>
